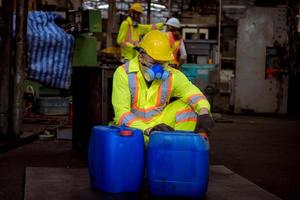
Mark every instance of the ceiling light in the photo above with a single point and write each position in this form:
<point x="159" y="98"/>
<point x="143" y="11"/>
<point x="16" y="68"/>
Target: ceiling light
<point x="158" y="5"/>
<point x="104" y="6"/>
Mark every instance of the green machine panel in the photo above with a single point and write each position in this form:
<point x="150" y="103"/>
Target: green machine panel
<point x="85" y="51"/>
<point x="39" y="89"/>
<point x="91" y="20"/>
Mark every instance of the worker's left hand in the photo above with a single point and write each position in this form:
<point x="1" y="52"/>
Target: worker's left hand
<point x="159" y="127"/>
<point x="205" y="123"/>
<point x="162" y="127"/>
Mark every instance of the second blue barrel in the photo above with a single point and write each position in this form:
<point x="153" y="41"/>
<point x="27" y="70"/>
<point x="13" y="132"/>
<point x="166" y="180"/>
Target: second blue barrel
<point x="177" y="164"/>
<point x="116" y="159"/>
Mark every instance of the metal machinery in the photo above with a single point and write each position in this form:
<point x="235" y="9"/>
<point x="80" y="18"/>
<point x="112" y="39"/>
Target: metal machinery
<point x="201" y="34"/>
<point x="201" y="55"/>
<point x="200" y="51"/>
<point x="86" y="23"/>
<point x="261" y="82"/>
<point x="91" y="82"/>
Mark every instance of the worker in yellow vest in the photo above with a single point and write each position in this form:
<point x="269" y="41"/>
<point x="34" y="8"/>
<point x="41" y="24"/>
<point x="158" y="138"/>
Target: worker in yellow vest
<point x="143" y="87"/>
<point x="131" y="31"/>
<point x="176" y="42"/>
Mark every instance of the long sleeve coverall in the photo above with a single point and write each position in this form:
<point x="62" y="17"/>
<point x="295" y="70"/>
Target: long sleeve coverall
<point x="137" y="106"/>
<point x="129" y="36"/>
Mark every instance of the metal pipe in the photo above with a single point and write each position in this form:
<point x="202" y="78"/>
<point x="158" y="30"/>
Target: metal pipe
<point x="170" y="8"/>
<point x="5" y="66"/>
<point x="218" y="56"/>
<point x="219" y="34"/>
<point x="148" y="11"/>
<point x="111" y="13"/>
<point x="19" y="69"/>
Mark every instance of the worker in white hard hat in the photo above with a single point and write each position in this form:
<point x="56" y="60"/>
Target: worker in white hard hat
<point x="131" y="31"/>
<point x="176" y="42"/>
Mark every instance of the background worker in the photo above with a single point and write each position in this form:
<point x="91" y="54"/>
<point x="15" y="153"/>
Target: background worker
<point x="131" y="31"/>
<point x="143" y="87"/>
<point x="176" y="42"/>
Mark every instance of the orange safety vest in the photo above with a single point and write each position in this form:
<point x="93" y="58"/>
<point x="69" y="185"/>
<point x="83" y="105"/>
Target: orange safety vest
<point x="132" y="35"/>
<point x="175" y="45"/>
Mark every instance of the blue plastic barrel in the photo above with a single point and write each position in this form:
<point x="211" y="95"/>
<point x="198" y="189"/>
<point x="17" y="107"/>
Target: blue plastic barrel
<point x="177" y="164"/>
<point x="116" y="159"/>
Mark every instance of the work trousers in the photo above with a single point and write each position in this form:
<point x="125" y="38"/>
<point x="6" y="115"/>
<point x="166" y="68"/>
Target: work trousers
<point x="178" y="115"/>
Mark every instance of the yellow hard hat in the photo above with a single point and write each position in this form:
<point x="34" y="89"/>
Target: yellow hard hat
<point x="157" y="45"/>
<point x="137" y="7"/>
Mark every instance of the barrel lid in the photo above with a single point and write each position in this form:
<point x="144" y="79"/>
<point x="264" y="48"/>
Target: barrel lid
<point x="125" y="133"/>
<point x="204" y="136"/>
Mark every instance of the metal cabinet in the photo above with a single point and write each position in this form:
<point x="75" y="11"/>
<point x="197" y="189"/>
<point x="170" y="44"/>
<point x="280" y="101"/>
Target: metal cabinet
<point x="91" y="91"/>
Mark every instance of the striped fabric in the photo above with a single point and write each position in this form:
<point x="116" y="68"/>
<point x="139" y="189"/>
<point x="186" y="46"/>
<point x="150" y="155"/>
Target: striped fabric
<point x="162" y="97"/>
<point x="186" y="115"/>
<point x="49" y="50"/>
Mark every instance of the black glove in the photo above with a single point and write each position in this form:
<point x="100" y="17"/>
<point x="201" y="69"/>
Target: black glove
<point x="162" y="127"/>
<point x="205" y="123"/>
<point x="159" y="127"/>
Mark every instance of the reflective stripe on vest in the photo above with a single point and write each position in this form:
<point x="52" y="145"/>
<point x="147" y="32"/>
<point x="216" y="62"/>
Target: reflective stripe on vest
<point x="171" y="39"/>
<point x="162" y="98"/>
<point x="194" y="99"/>
<point x="129" y="37"/>
<point x="147" y="113"/>
<point x="127" y="118"/>
<point x="186" y="115"/>
<point x="134" y="87"/>
<point x="164" y="91"/>
<point x="174" y="48"/>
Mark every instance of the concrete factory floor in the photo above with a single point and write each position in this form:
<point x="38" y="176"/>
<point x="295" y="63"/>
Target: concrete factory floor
<point x="66" y="183"/>
<point x="264" y="150"/>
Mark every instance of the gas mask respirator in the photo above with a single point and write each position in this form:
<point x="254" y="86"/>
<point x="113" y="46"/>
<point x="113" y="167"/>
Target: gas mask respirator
<point x="156" y="71"/>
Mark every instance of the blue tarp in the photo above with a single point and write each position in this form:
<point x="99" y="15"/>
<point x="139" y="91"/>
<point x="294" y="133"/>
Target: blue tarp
<point x="49" y="50"/>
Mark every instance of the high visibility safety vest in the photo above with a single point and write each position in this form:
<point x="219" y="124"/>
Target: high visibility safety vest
<point x="137" y="106"/>
<point x="175" y="45"/>
<point x="129" y="36"/>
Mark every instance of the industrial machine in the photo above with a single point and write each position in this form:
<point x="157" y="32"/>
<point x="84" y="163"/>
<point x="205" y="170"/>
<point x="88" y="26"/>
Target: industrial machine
<point x="91" y="79"/>
<point x="87" y="22"/>
<point x="85" y="50"/>
<point x="261" y="82"/>
<point x="201" y="68"/>
<point x="201" y="51"/>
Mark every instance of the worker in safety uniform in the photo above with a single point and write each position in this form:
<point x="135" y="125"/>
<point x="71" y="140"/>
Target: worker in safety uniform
<point x="176" y="42"/>
<point x="131" y="31"/>
<point x="142" y="89"/>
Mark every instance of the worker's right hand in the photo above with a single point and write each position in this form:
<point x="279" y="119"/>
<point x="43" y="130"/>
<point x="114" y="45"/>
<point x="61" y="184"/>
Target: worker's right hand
<point x="204" y="123"/>
<point x="158" y="127"/>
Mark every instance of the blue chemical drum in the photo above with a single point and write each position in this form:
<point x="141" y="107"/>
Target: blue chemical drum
<point x="116" y="159"/>
<point x="177" y="164"/>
